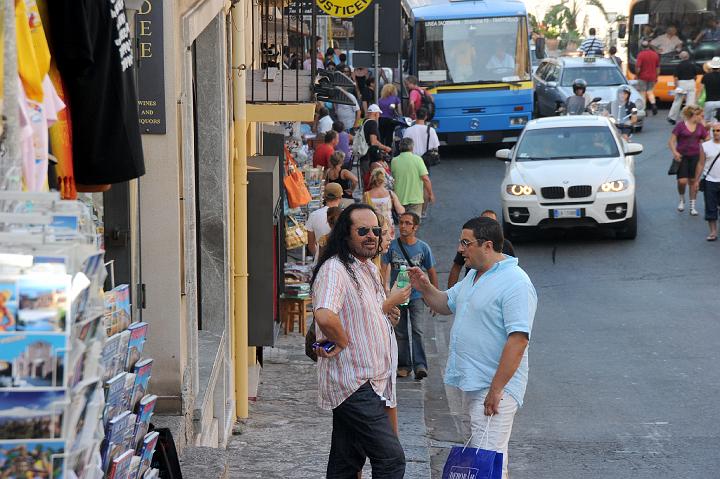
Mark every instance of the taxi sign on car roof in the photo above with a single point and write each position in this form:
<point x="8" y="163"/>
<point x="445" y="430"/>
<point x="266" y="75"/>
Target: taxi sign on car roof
<point x="589" y="59"/>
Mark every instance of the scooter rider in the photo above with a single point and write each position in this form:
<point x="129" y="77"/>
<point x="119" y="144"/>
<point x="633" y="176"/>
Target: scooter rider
<point x="622" y="111"/>
<point x="576" y="104"/>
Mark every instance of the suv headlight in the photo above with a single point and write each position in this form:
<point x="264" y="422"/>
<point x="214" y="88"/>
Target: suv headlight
<point x="519" y="190"/>
<point x="613" y="186"/>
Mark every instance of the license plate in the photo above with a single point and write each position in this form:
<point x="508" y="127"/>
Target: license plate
<point x="671" y="83"/>
<point x="471" y="138"/>
<point x="567" y="213"/>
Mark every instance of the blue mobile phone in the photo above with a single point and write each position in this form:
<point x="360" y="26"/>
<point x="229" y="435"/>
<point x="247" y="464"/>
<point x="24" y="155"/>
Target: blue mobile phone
<point x="328" y="346"/>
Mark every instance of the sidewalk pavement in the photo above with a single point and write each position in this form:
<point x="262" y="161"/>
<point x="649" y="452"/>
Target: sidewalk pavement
<point x="288" y="436"/>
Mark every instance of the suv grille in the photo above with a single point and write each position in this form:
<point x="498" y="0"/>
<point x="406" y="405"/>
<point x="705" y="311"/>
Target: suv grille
<point x="581" y="191"/>
<point x="553" y="192"/>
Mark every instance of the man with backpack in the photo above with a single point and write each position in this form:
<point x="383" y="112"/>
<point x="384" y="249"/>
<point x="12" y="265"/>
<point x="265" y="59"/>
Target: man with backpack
<point x="418" y="98"/>
<point x="369" y="135"/>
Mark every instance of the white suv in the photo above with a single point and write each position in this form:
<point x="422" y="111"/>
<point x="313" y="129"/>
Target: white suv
<point x="570" y="171"/>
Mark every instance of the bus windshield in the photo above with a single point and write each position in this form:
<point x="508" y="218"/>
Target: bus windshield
<point x="674" y="25"/>
<point x="472" y="50"/>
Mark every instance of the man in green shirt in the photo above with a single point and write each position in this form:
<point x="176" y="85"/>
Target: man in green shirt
<point x="411" y="177"/>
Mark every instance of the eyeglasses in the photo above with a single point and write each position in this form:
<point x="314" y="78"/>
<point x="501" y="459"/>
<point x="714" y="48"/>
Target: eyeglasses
<point x="716" y="131"/>
<point x="465" y="243"/>
<point x="364" y="231"/>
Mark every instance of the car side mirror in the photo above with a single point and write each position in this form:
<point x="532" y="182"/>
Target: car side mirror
<point x="633" y="148"/>
<point x="503" y="154"/>
<point x="552" y="84"/>
<point x="622" y="30"/>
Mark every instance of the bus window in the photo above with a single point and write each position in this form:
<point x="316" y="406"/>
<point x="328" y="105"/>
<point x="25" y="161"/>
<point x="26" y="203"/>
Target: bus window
<point x="473" y="50"/>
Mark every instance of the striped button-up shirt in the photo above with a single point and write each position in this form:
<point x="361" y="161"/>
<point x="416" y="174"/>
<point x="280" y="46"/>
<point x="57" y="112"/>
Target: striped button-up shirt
<point x="371" y="354"/>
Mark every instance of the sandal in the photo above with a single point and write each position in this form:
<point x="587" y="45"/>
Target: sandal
<point x="711" y="238"/>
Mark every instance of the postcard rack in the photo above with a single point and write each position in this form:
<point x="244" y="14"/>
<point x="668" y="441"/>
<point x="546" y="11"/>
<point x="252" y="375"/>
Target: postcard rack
<point x="69" y="408"/>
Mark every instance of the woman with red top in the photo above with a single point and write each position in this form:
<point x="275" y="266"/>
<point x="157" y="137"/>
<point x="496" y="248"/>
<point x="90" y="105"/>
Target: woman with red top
<point x="685" y="143"/>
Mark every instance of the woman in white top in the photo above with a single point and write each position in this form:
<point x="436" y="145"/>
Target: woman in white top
<point x="382" y="199"/>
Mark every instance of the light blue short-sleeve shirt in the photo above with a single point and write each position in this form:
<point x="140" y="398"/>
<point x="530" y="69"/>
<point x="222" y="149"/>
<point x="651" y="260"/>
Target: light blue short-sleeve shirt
<point x="502" y="301"/>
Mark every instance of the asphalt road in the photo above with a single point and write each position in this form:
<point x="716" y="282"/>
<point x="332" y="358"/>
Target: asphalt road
<point x="624" y="375"/>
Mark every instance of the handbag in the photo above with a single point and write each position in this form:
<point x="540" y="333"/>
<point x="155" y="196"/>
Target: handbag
<point x="430" y="157"/>
<point x="701" y="184"/>
<point x="294" y="181"/>
<point x="295" y="234"/>
<point x="674" y="167"/>
<point x="310" y="339"/>
<point x="473" y="463"/>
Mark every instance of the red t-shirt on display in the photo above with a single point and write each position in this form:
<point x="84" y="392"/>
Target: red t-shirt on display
<point x="322" y="155"/>
<point x="647" y="64"/>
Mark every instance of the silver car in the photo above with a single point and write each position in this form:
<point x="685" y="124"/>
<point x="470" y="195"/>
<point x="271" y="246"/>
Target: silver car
<point x="555" y="76"/>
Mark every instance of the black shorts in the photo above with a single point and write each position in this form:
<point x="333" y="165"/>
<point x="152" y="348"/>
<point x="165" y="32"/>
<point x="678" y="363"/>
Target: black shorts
<point x="687" y="167"/>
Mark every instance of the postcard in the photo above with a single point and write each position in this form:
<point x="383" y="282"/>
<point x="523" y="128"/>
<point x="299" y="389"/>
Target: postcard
<point x="43" y="302"/>
<point x="15" y="456"/>
<point x="8" y="304"/>
<point x="32" y="360"/>
<point x="31" y="414"/>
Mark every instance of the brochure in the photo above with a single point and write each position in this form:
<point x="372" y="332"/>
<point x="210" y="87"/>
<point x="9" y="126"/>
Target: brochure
<point x="136" y="344"/>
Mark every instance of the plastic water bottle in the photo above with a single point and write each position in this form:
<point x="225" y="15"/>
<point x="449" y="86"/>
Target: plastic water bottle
<point x="403" y="280"/>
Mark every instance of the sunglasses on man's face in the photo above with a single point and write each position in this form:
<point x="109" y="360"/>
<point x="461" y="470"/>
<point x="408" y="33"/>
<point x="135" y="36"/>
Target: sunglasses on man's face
<point x="716" y="131"/>
<point x="364" y="231"/>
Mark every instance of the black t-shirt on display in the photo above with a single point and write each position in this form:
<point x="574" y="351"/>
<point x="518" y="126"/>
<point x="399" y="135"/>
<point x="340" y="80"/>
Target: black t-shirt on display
<point x="686" y="70"/>
<point x="90" y="41"/>
<point x="712" y="86"/>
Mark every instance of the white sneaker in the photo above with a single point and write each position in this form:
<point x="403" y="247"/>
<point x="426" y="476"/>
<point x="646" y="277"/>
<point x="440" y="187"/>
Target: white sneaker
<point x="693" y="211"/>
<point x="681" y="205"/>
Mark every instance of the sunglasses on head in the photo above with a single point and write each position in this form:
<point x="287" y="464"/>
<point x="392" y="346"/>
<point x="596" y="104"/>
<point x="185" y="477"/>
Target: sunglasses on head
<point x="365" y="230"/>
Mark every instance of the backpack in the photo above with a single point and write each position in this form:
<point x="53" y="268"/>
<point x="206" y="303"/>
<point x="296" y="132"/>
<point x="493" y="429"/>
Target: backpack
<point x="360" y="144"/>
<point x="427" y="102"/>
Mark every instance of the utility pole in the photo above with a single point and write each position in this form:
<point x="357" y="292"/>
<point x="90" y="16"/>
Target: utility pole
<point x="377" y="48"/>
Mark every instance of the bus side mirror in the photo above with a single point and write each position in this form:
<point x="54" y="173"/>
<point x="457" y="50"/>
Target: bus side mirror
<point x="622" y="30"/>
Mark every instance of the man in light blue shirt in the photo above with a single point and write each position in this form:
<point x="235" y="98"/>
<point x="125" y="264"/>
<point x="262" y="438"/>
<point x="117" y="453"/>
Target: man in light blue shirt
<point x="494" y="308"/>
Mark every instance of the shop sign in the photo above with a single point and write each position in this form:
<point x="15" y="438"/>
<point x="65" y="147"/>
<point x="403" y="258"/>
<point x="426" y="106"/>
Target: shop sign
<point x="343" y="8"/>
<point x="302" y="8"/>
<point x="151" y="67"/>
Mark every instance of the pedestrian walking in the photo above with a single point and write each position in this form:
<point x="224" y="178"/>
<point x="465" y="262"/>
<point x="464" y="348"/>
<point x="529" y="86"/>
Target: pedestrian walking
<point x="612" y="54"/>
<point x="324" y="150"/>
<point x="370" y="132"/>
<point x="685" y="144"/>
<point x="356" y="376"/>
<point x="344" y="140"/>
<point x="348" y="114"/>
<point x="325" y="121"/>
<point x="711" y="87"/>
<point x="424" y="139"/>
<point x="390" y="107"/>
<point x="409" y="251"/>
<point x="368" y="94"/>
<point x="417" y="96"/>
<point x="411" y="178"/>
<point x="708" y="169"/>
<point x="592" y="46"/>
<point x="317" y="224"/>
<point x="459" y="261"/>
<point x="494" y="308"/>
<point x="647" y="68"/>
<point x="345" y="178"/>
<point x="383" y="200"/>
<point x="684" y="77"/>
<point x="423" y="134"/>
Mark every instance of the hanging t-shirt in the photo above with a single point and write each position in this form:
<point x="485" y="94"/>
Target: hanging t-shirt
<point x="90" y="41"/>
<point x="32" y="50"/>
<point x="42" y="116"/>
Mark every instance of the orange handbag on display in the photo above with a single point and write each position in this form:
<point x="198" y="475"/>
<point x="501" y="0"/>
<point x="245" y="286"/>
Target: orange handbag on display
<point x="295" y="188"/>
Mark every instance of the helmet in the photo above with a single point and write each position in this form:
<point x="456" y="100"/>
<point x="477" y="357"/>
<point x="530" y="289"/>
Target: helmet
<point x="579" y="83"/>
<point x="624" y="89"/>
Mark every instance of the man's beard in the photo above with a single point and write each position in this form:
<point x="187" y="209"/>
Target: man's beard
<point x="363" y="253"/>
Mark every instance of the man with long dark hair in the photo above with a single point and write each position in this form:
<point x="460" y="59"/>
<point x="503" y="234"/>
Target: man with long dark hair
<point x="357" y="357"/>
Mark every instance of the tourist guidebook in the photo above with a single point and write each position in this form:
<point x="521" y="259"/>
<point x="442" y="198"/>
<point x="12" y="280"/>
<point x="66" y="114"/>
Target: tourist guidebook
<point x="143" y="371"/>
<point x="138" y="332"/>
